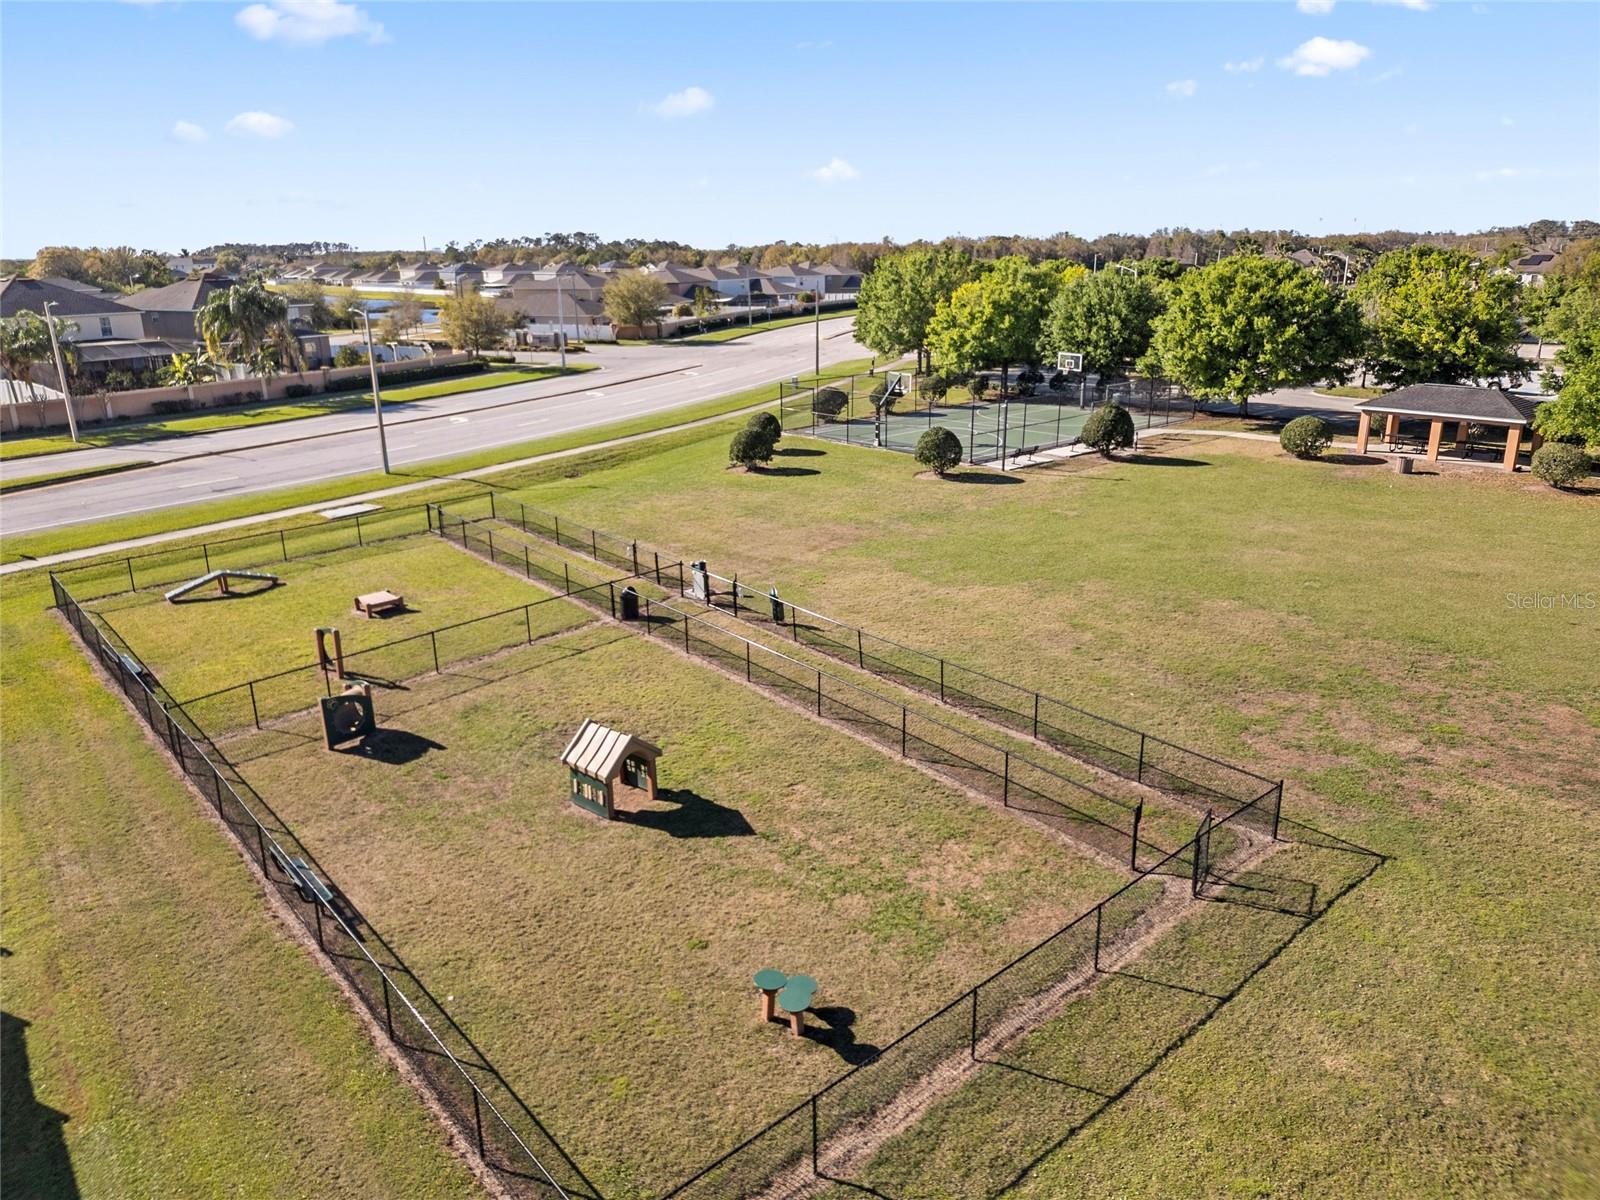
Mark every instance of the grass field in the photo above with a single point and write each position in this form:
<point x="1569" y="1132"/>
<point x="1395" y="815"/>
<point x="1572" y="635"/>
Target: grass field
<point x="614" y="991"/>
<point x="162" y="1036"/>
<point x="1398" y="648"/>
<point x="124" y="433"/>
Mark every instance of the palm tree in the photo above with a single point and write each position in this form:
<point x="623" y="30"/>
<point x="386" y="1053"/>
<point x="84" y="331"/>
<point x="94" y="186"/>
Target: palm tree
<point x="25" y="342"/>
<point x="238" y="324"/>
<point x="187" y="369"/>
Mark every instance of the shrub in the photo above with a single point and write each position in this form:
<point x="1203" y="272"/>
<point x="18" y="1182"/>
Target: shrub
<point x="165" y="408"/>
<point x="298" y="391"/>
<point x="829" y="403"/>
<point x="1306" y="437"/>
<point x="935" y="388"/>
<point x="939" y="449"/>
<point x="1108" y="428"/>
<point x="978" y="385"/>
<point x="349" y="356"/>
<point x="879" y="395"/>
<point x="1561" y="465"/>
<point x="1025" y="389"/>
<point x="1030" y="376"/>
<point x="749" y="448"/>
<point x="766" y="423"/>
<point x="1058" y="382"/>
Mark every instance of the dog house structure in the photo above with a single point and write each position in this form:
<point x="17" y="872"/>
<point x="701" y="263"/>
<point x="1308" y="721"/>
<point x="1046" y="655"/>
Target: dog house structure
<point x="598" y="757"/>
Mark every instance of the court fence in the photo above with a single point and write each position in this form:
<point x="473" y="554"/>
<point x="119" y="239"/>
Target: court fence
<point x="509" y="1137"/>
<point x="1113" y="746"/>
<point x="995" y="430"/>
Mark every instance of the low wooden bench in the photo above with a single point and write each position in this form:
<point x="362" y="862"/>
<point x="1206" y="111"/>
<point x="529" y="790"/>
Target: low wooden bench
<point x="374" y="604"/>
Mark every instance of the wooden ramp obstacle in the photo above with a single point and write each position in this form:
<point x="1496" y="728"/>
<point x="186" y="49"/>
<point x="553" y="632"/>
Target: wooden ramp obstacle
<point x="220" y="578"/>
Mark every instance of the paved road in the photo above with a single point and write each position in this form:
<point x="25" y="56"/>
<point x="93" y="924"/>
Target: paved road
<point x="241" y="461"/>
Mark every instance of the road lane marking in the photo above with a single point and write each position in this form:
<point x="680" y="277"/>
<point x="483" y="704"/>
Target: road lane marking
<point x="205" y="482"/>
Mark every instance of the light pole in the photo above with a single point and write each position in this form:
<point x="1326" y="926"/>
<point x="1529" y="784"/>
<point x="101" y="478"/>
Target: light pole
<point x="816" y="302"/>
<point x="377" y="399"/>
<point x="61" y="369"/>
<point x="561" y="322"/>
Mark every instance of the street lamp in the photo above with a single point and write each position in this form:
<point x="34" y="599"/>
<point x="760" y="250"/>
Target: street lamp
<point x="816" y="301"/>
<point x="61" y="370"/>
<point x="377" y="400"/>
<point x="1134" y="271"/>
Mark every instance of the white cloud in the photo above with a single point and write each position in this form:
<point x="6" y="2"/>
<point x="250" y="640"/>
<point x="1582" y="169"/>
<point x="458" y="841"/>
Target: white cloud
<point x="1316" y="8"/>
<point x="835" y="171"/>
<point x="1413" y="5"/>
<point x="1244" y="66"/>
<point x="260" y="124"/>
<point x="1182" y="87"/>
<point x="308" y="22"/>
<point x="188" y="131"/>
<point x="1507" y="122"/>
<point x="1503" y="173"/>
<point x="1323" y="56"/>
<point x="690" y="102"/>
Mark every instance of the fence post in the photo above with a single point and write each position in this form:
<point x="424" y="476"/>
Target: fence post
<point x="527" y="619"/>
<point x="794" y="623"/>
<point x="388" y="1016"/>
<point x="1036" y="716"/>
<point x="1005" y="793"/>
<point x="680" y="579"/>
<point x="902" y="731"/>
<point x="477" y="1112"/>
<point x="433" y="640"/>
<point x="819" y="693"/>
<point x="594" y="544"/>
<point x="493" y="515"/>
<point x="633" y="551"/>
<point x="283" y="542"/>
<point x="973" y="1040"/>
<point x="1133" y="851"/>
<point x="861" y="655"/>
<point x="815" y="1168"/>
<point x="747" y="661"/>
<point x="657" y="553"/>
<point x="1140" y="777"/>
<point x="131" y="586"/>
<point x="205" y="551"/>
<point x="611" y="591"/>
<point x="1098" y="909"/>
<point x="736" y="595"/>
<point x="1277" y="810"/>
<point x="685" y="633"/>
<point x="261" y="847"/>
<point x="316" y="907"/>
<point x="941" y="681"/>
<point x="647" y="618"/>
<point x="566" y="579"/>
<point x="255" y="713"/>
<point x="556" y="518"/>
<point x="489" y="533"/>
<point x="359" y="542"/>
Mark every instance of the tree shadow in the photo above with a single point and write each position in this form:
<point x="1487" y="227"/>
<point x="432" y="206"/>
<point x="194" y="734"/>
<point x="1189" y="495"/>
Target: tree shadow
<point x="36" y="1148"/>
<point x="838" y="1034"/>
<point x="1352" y="460"/>
<point x="980" y="477"/>
<point x="693" y="817"/>
<point x="784" y="471"/>
<point x="797" y="452"/>
<point x="394" y="747"/>
<point x="1159" y="460"/>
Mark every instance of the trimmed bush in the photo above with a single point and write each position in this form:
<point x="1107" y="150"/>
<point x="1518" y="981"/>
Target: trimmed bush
<point x="1561" y="465"/>
<point x="938" y="449"/>
<point x="749" y="448"/>
<point x="1058" y="381"/>
<point x="766" y="423"/>
<point x="1306" y="437"/>
<point x="935" y="388"/>
<point x="1108" y="428"/>
<point x="298" y="391"/>
<point x="829" y="403"/>
<point x="166" y="408"/>
<point x="977" y="386"/>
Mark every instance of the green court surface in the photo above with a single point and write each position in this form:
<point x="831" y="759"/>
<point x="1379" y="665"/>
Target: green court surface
<point x="986" y="430"/>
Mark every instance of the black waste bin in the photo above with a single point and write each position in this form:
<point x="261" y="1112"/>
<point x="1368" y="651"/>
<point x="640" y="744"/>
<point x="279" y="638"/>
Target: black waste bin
<point x="630" y="604"/>
<point x="777" y="607"/>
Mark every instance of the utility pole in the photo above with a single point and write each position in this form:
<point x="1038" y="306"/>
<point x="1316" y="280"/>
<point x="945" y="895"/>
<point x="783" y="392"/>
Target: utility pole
<point x="61" y="369"/>
<point x="561" y="321"/>
<point x="377" y="399"/>
<point x="816" y="301"/>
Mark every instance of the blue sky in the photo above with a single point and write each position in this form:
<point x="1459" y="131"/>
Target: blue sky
<point x="174" y="125"/>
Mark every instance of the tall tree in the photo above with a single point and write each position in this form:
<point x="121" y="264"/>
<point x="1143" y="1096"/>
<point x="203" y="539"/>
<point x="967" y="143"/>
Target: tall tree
<point x="1248" y="324"/>
<point x="472" y="322"/>
<point x="240" y="322"/>
<point x="1438" y="316"/>
<point x="901" y="294"/>
<point x="25" y="343"/>
<point x="995" y="321"/>
<point x="634" y="298"/>
<point x="1571" y="316"/>
<point x="1107" y="317"/>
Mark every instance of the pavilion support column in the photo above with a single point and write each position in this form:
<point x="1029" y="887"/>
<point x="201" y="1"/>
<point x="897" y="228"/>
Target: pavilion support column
<point x="1463" y="437"/>
<point x="1391" y="428"/>
<point x="1513" y="444"/>
<point x="1363" y="432"/>
<point x="1435" y="434"/>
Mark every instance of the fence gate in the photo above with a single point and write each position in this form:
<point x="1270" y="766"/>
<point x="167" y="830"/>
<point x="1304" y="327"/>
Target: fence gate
<point x="1202" y="855"/>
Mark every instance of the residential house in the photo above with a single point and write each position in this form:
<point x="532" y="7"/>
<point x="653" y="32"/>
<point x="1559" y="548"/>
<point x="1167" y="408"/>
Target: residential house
<point x="542" y="313"/>
<point x="461" y="277"/>
<point x="173" y="313"/>
<point x="107" y="334"/>
<point x="1531" y="269"/>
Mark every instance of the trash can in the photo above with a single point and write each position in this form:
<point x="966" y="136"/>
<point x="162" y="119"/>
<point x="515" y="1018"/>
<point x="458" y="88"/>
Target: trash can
<point x="778" y="616"/>
<point x="699" y="583"/>
<point x="630" y="604"/>
<point x="1402" y="465"/>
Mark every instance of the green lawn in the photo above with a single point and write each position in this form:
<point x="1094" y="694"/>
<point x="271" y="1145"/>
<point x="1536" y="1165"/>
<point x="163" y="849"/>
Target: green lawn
<point x="1335" y="624"/>
<point x="162" y="1036"/>
<point x="124" y="433"/>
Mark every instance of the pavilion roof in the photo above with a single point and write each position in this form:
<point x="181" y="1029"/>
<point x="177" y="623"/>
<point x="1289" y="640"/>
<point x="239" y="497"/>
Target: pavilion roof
<point x="1455" y="402"/>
